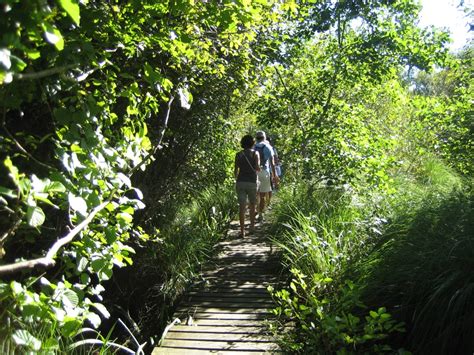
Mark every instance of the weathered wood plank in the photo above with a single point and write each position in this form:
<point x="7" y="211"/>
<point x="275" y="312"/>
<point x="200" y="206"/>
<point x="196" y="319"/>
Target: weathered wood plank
<point x="226" y="312"/>
<point x="223" y="310"/>
<point x="229" y="316"/>
<point x="226" y="329"/>
<point x="230" y="296"/>
<point x="220" y="345"/>
<point x="235" y="302"/>
<point x="172" y="351"/>
<point x="227" y="337"/>
<point x="228" y="322"/>
<point x="231" y="293"/>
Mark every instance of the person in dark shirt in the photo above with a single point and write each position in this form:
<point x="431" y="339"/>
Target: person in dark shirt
<point x="247" y="163"/>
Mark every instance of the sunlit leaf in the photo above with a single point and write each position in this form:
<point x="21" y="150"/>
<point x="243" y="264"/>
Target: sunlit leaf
<point x="25" y="338"/>
<point x="78" y="204"/>
<point x="53" y="36"/>
<point x="72" y="9"/>
<point x="101" y="308"/>
<point x="35" y="216"/>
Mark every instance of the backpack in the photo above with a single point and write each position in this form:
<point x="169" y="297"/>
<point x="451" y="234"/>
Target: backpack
<point x="259" y="147"/>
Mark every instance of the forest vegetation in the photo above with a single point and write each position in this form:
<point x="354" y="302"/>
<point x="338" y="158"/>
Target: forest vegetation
<point x="120" y="121"/>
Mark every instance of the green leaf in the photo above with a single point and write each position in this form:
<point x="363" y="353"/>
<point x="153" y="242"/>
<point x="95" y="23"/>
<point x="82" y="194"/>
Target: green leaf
<point x="35" y="216"/>
<point x="82" y="264"/>
<point x="30" y="310"/>
<point x="78" y="204"/>
<point x="72" y="9"/>
<point x="186" y="98"/>
<point x="70" y="326"/>
<point x="126" y="217"/>
<point x="94" y="319"/>
<point x="70" y="298"/>
<point x="51" y="344"/>
<point x="98" y="264"/>
<point x="43" y="198"/>
<point x="5" y="60"/>
<point x="85" y="278"/>
<point x="374" y="314"/>
<point x="14" y="174"/>
<point x="53" y="36"/>
<point x="24" y="338"/>
<point x="54" y="186"/>
<point x="101" y="308"/>
<point x="33" y="54"/>
<point x="7" y="192"/>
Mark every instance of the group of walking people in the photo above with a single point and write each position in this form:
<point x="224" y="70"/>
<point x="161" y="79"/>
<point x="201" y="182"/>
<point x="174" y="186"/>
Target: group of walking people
<point x="256" y="173"/>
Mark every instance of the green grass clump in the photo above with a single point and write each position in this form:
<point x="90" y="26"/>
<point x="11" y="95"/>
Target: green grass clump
<point x="317" y="228"/>
<point x="422" y="268"/>
<point x="367" y="265"/>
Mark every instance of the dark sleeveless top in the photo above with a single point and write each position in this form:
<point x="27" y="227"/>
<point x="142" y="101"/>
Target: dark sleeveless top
<point x="247" y="172"/>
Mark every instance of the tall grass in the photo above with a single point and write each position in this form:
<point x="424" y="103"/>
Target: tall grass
<point x="411" y="251"/>
<point x="323" y="231"/>
<point x="422" y="265"/>
<point x="318" y="228"/>
<point x="163" y="270"/>
<point x="191" y="238"/>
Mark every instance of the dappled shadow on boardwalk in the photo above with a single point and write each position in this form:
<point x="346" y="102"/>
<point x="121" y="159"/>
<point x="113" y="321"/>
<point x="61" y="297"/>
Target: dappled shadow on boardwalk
<point x="227" y="308"/>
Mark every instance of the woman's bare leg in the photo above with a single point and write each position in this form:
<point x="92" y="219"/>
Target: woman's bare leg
<point x="242" y="218"/>
<point x="252" y="215"/>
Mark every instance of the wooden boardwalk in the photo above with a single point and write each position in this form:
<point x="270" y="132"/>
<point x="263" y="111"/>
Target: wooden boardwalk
<point x="226" y="312"/>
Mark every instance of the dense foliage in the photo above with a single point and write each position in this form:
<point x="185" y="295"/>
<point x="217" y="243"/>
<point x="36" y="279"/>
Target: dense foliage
<point x="92" y="94"/>
<point x="376" y="164"/>
<point x="119" y="122"/>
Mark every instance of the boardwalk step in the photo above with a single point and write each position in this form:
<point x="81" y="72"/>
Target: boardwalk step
<point x="230" y="302"/>
<point x="220" y="329"/>
<point x="228" y="337"/>
<point x="224" y="310"/>
<point x="224" y="345"/>
<point x="228" y="309"/>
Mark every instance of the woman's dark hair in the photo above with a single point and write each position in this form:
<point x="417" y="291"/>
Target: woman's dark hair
<point x="247" y="141"/>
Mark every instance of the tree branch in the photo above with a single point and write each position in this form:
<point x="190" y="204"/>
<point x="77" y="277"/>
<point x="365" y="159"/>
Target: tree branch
<point x="23" y="150"/>
<point x="160" y="137"/>
<point x="10" y="231"/>
<point x="43" y="73"/>
<point x="296" y="116"/>
<point x="48" y="260"/>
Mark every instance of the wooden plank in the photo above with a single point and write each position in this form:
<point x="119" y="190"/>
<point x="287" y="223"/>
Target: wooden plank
<point x="228" y="322"/>
<point x="220" y="345"/>
<point x="228" y="337"/>
<point x="243" y="265"/>
<point x="223" y="294"/>
<point x="232" y="287"/>
<point x="252" y="273"/>
<point x="225" y="307"/>
<point x="229" y="316"/>
<point x="234" y="302"/>
<point x="229" y="308"/>
<point x="225" y="329"/>
<point x="255" y="278"/>
<point x="172" y="351"/>
<point x="221" y="311"/>
<point x="249" y="269"/>
<point x="232" y="283"/>
<point x="229" y="291"/>
<point x="244" y="253"/>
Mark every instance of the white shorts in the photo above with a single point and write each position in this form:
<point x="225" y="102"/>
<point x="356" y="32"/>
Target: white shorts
<point x="264" y="185"/>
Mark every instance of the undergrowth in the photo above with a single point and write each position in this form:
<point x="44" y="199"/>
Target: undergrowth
<point x="162" y="270"/>
<point x="376" y="272"/>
